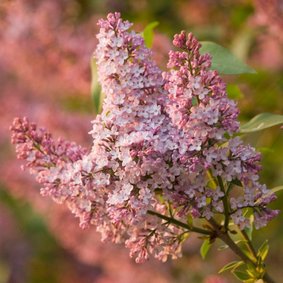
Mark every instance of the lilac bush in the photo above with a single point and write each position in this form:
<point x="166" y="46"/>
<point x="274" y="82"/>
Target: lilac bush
<point x="165" y="160"/>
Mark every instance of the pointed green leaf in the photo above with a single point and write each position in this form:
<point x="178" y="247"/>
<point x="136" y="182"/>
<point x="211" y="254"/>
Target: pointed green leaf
<point x="249" y="230"/>
<point x="223" y="60"/>
<point x="263" y="250"/>
<point x="205" y="247"/>
<point x="147" y="33"/>
<point x="241" y="275"/>
<point x="261" y="122"/>
<point x="232" y="265"/>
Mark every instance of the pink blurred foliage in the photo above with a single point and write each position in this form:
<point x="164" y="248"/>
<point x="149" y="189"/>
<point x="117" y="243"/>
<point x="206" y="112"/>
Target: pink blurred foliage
<point x="41" y="44"/>
<point x="14" y="249"/>
<point x="45" y="56"/>
<point x="269" y="17"/>
<point x="214" y="279"/>
<point x="160" y="49"/>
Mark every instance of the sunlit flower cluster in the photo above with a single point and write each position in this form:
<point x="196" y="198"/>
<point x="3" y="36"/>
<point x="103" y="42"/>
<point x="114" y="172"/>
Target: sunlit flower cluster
<point x="163" y="151"/>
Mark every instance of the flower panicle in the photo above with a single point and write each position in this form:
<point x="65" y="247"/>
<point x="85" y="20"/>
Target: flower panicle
<point x="162" y="145"/>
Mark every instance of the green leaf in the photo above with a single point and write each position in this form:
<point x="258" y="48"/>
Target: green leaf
<point x="243" y="244"/>
<point x="223" y="60"/>
<point x="237" y="182"/>
<point x="261" y="122"/>
<point x="232" y="265"/>
<point x="243" y="276"/>
<point x="190" y="220"/>
<point x="234" y="92"/>
<point x="263" y="250"/>
<point x="205" y="247"/>
<point x="147" y="33"/>
<point x="277" y="189"/>
<point x="252" y="280"/>
<point x="96" y="93"/>
<point x="96" y="98"/>
<point x="194" y="101"/>
<point x="249" y="230"/>
<point x="265" y="150"/>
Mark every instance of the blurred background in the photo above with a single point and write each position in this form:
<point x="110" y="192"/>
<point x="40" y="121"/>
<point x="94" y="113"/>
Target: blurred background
<point x="45" y="55"/>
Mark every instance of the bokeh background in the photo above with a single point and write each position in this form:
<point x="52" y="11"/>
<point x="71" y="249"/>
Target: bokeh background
<point x="45" y="55"/>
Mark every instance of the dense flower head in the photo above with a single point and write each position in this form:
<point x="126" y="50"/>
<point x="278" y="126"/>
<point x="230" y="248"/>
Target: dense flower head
<point x="162" y="149"/>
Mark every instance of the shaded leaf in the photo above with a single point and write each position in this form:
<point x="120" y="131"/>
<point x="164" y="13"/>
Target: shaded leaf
<point x="223" y="60"/>
<point x="96" y="94"/>
<point x="96" y="98"/>
<point x="148" y="33"/>
<point x="261" y="122"/>
<point x="243" y="276"/>
<point x="205" y="247"/>
<point x="249" y="230"/>
<point x="237" y="182"/>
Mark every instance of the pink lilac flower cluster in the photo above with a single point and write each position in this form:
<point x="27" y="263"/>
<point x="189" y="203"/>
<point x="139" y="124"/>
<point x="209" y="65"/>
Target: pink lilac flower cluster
<point x="162" y="149"/>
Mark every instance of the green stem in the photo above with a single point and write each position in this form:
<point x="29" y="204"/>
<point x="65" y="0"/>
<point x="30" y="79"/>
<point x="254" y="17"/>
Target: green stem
<point x="180" y="224"/>
<point x="225" y="203"/>
<point x="250" y="245"/>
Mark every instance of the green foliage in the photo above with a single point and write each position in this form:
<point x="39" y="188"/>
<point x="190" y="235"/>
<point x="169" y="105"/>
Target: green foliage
<point x="277" y="189"/>
<point x="231" y="266"/>
<point x="248" y="273"/>
<point x="97" y="98"/>
<point x="234" y="92"/>
<point x="96" y="93"/>
<point x="241" y="275"/>
<point x="237" y="182"/>
<point x="205" y="247"/>
<point x="249" y="230"/>
<point x="263" y="251"/>
<point x="148" y="33"/>
<point x="261" y="122"/>
<point x="223" y="60"/>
